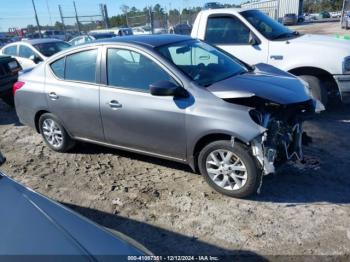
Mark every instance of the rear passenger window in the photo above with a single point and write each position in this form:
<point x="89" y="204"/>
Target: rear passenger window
<point x="25" y="52"/>
<point x="58" y="68"/>
<point x="11" y="50"/>
<point x="81" y="66"/>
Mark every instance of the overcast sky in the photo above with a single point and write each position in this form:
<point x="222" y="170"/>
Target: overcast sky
<point x="19" y="13"/>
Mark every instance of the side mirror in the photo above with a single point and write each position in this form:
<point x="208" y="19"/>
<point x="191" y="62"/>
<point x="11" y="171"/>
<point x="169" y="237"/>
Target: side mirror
<point x="35" y="59"/>
<point x="253" y="40"/>
<point x="2" y="159"/>
<point x="166" y="88"/>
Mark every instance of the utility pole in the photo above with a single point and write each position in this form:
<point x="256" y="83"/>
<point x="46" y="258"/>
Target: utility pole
<point x="37" y="19"/>
<point x="151" y="19"/>
<point x="106" y="15"/>
<point x="76" y="17"/>
<point x="62" y="19"/>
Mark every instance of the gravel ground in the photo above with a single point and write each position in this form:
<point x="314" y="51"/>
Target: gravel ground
<point x="304" y="210"/>
<point x="325" y="28"/>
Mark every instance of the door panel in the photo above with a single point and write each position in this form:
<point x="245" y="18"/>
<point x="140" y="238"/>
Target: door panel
<point x="131" y="116"/>
<point x="145" y="122"/>
<point x="74" y="101"/>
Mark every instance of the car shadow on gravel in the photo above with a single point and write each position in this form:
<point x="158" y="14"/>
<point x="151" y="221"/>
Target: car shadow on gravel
<point x="93" y="149"/>
<point x="8" y="115"/>
<point x="161" y="241"/>
<point x="294" y="188"/>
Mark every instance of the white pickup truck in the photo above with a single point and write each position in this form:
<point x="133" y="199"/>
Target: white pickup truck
<point x="253" y="37"/>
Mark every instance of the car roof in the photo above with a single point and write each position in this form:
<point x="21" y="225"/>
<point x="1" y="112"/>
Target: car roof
<point x="41" y="41"/>
<point x="225" y="10"/>
<point x="147" y="40"/>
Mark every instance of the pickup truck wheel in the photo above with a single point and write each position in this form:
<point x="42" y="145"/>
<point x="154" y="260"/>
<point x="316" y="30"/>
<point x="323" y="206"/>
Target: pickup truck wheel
<point x="230" y="170"/>
<point x="54" y="134"/>
<point x="317" y="88"/>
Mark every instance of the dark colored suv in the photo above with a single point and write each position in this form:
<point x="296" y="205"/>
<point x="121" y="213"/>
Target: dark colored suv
<point x="9" y="68"/>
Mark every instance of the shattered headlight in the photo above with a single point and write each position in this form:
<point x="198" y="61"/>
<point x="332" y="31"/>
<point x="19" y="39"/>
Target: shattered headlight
<point x="346" y="65"/>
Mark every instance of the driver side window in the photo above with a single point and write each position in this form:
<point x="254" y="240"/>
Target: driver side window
<point x="226" y="30"/>
<point x="132" y="70"/>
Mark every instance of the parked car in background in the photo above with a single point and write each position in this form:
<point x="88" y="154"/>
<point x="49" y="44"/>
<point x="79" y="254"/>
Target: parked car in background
<point x="160" y="30"/>
<point x="254" y="37"/>
<point x="323" y="15"/>
<point x="212" y="5"/>
<point x="90" y="37"/>
<point x="33" y="225"/>
<point x="119" y="31"/>
<point x="335" y="14"/>
<point x="290" y="19"/>
<point x="56" y="35"/>
<point x="141" y="31"/>
<point x="181" y="29"/>
<point x="31" y="36"/>
<point x="345" y="23"/>
<point x="173" y="97"/>
<point x="301" y="18"/>
<point x="9" y="68"/>
<point x="31" y="52"/>
<point x="3" y="42"/>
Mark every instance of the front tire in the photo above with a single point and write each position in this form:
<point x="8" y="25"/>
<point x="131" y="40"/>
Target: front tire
<point x="54" y="134"/>
<point x="317" y="88"/>
<point x="230" y="170"/>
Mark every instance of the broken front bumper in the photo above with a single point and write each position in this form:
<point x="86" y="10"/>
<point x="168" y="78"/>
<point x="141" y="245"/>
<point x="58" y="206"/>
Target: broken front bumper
<point x="290" y="147"/>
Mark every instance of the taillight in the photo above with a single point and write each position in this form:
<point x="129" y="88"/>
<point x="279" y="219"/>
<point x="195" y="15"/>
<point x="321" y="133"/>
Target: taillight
<point x="17" y="85"/>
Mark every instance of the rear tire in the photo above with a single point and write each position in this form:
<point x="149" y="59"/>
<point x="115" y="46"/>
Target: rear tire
<point x="317" y="89"/>
<point x="54" y="134"/>
<point x="233" y="175"/>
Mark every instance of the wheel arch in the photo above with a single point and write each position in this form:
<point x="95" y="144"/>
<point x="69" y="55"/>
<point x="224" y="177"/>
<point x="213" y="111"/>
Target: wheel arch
<point x="37" y="117"/>
<point x="205" y="140"/>
<point x="324" y="75"/>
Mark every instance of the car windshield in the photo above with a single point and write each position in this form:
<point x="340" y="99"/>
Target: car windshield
<point x="203" y="63"/>
<point x="268" y="27"/>
<point x="51" y="48"/>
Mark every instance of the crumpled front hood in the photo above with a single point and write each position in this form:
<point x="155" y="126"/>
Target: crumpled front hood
<point x="265" y="82"/>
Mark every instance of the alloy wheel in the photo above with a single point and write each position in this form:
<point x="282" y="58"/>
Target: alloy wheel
<point x="52" y="133"/>
<point x="226" y="169"/>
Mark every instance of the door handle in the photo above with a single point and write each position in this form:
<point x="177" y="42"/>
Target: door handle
<point x="53" y="96"/>
<point x="114" y="104"/>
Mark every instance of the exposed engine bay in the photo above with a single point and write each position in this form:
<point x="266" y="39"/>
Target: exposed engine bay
<point x="284" y="137"/>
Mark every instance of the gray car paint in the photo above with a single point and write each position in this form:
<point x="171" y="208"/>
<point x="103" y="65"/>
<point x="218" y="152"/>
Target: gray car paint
<point x="266" y="82"/>
<point x="32" y="224"/>
<point x="164" y="127"/>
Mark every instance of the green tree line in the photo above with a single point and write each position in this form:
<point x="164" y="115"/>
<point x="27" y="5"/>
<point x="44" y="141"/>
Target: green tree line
<point x="315" y="6"/>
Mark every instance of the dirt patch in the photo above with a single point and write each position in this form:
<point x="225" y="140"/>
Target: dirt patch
<point x="169" y="209"/>
<point x="326" y="28"/>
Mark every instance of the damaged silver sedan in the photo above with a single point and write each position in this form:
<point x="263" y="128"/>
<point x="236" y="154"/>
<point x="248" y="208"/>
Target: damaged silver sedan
<point x="172" y="97"/>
